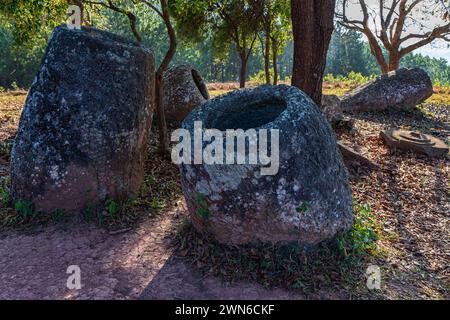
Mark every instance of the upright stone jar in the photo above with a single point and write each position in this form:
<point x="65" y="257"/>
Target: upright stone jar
<point x="84" y="128"/>
<point x="307" y="200"/>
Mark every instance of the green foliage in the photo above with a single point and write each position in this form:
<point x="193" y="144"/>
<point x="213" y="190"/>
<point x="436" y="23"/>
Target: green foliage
<point x="260" y="76"/>
<point x="352" y="78"/>
<point x="202" y="210"/>
<point x="58" y="214"/>
<point x="157" y="204"/>
<point x="89" y="212"/>
<point x="112" y="207"/>
<point x="303" y="207"/>
<point x="18" y="64"/>
<point x="437" y="69"/>
<point x="5" y="196"/>
<point x="24" y="208"/>
<point x="204" y="39"/>
<point x="361" y="239"/>
<point x="32" y="18"/>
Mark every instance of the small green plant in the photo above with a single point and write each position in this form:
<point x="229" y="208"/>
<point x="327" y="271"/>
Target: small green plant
<point x="361" y="239"/>
<point x="89" y="212"/>
<point x="2" y="89"/>
<point x="303" y="207"/>
<point x="5" y="196"/>
<point x="24" y="208"/>
<point x="58" y="214"/>
<point x="202" y="210"/>
<point x="157" y="204"/>
<point x="14" y="86"/>
<point x="112" y="207"/>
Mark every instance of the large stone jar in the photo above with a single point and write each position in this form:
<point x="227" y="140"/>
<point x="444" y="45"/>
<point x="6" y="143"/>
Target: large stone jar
<point x="184" y="89"/>
<point x="308" y="199"/>
<point x="84" y="129"/>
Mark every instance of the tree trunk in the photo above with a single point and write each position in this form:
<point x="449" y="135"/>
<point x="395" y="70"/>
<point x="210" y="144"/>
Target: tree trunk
<point x="243" y="71"/>
<point x="159" y="83"/>
<point x="274" y="61"/>
<point x="160" y="116"/>
<point x="394" y="60"/>
<point x="376" y="50"/>
<point x="267" y="58"/>
<point x="312" y="25"/>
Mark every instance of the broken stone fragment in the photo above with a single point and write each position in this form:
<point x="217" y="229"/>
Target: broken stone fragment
<point x="83" y="132"/>
<point x="184" y="89"/>
<point x="308" y="199"/>
<point x="403" y="88"/>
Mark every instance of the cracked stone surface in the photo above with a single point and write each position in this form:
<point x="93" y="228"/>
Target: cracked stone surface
<point x="307" y="200"/>
<point x="83" y="131"/>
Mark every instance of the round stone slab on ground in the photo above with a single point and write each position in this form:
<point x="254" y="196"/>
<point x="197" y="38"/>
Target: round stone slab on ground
<point x="83" y="133"/>
<point x="307" y="200"/>
<point x="184" y="89"/>
<point x="414" y="141"/>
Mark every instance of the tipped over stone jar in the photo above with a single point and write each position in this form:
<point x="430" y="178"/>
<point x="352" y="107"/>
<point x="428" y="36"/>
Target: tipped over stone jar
<point x="307" y="199"/>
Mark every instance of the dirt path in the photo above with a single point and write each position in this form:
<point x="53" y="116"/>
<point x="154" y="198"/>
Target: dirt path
<point x="133" y="265"/>
<point x="112" y="266"/>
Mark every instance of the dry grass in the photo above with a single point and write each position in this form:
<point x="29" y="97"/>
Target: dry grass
<point x="441" y="95"/>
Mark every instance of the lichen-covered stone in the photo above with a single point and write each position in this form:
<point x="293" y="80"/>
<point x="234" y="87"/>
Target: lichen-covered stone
<point x="84" y="128"/>
<point x="307" y="200"/>
<point x="184" y="89"/>
<point x="331" y="108"/>
<point x="404" y="88"/>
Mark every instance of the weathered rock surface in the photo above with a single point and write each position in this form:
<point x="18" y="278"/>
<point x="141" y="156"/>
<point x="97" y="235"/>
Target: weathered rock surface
<point x="184" y="89"/>
<point x="352" y="157"/>
<point x="307" y="200"/>
<point x="83" y="131"/>
<point x="331" y="108"/>
<point x="404" y="88"/>
<point x="414" y="141"/>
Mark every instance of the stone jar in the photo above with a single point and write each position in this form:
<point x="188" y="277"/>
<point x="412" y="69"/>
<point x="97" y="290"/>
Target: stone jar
<point x="184" y="89"/>
<point x="83" y="132"/>
<point x="308" y="199"/>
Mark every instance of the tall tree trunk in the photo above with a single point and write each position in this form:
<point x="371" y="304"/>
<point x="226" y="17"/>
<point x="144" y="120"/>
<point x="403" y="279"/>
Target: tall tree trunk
<point x="267" y="57"/>
<point x="394" y="60"/>
<point x="312" y="25"/>
<point x="243" y="71"/>
<point x="159" y="83"/>
<point x="160" y="116"/>
<point x="274" y="61"/>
